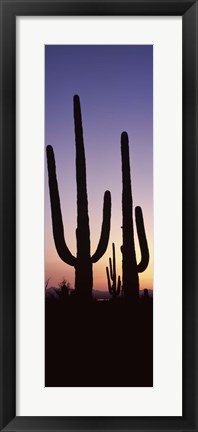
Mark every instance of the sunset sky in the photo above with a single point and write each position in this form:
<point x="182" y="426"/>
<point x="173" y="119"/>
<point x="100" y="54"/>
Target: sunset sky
<point x="115" y="85"/>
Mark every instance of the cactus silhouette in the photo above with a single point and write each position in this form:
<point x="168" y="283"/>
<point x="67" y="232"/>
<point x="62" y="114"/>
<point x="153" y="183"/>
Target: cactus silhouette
<point x="130" y="268"/>
<point x="114" y="289"/>
<point x="83" y="260"/>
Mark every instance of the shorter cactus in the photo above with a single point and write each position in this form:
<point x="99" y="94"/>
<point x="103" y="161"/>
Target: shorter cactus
<point x="114" y="288"/>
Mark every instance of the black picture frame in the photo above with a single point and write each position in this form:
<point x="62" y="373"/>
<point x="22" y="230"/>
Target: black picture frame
<point x="188" y="9"/>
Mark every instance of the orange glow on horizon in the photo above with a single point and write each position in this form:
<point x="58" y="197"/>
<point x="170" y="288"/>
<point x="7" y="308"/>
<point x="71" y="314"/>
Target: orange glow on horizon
<point x="56" y="269"/>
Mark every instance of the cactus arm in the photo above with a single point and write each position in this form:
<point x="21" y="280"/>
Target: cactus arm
<point x="111" y="275"/>
<point x="57" y="223"/>
<point x="105" y="231"/>
<point x="111" y="288"/>
<point x="141" y="267"/>
<point x="111" y="270"/>
<point x="108" y="279"/>
<point x="114" y="264"/>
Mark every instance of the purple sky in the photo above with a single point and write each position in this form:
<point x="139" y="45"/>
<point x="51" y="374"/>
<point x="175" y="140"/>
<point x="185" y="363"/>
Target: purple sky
<point x="115" y="85"/>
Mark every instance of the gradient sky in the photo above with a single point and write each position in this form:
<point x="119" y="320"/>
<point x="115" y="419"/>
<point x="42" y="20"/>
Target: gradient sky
<point x="115" y="85"/>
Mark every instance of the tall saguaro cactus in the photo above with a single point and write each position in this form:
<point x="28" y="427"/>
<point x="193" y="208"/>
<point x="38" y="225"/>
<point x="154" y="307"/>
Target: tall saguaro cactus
<point x="114" y="288"/>
<point x="83" y="261"/>
<point x="130" y="267"/>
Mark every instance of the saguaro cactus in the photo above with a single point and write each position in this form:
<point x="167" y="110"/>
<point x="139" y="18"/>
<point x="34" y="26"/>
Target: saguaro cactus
<point x="114" y="288"/>
<point x="83" y="261"/>
<point x="130" y="267"/>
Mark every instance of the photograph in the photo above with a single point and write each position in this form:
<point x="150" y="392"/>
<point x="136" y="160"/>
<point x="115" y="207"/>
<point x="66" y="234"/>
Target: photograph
<point x="98" y="216"/>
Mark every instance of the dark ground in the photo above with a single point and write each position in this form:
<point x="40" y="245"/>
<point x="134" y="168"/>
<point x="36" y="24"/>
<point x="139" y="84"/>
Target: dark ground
<point x="99" y="344"/>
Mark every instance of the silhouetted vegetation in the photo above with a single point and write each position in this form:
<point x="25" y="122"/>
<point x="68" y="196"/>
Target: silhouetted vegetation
<point x="114" y="287"/>
<point x="65" y="289"/>
<point x="47" y="282"/>
<point x="83" y="261"/>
